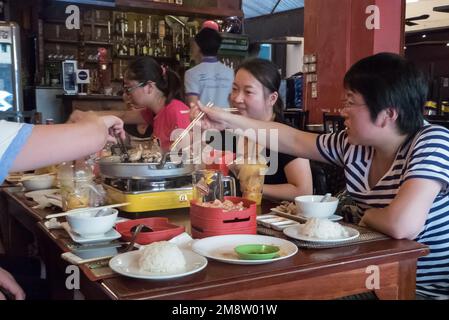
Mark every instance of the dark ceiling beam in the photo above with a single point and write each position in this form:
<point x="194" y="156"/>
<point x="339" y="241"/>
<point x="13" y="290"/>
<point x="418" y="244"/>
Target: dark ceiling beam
<point x="275" y="6"/>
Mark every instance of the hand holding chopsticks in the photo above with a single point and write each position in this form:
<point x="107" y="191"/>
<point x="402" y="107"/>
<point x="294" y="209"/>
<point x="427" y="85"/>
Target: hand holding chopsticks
<point x="189" y="127"/>
<point x="182" y="135"/>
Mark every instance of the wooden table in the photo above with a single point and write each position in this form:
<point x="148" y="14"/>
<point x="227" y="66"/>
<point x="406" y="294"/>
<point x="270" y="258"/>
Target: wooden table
<point x="310" y="274"/>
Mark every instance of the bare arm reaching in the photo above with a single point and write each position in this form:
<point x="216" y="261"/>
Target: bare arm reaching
<point x="290" y="141"/>
<point x="57" y="143"/>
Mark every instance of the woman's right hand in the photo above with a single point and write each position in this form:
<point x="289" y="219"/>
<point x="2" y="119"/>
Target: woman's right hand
<point x="214" y="118"/>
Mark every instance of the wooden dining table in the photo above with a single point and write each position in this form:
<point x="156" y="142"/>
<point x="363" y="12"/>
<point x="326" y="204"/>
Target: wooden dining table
<point x="386" y="267"/>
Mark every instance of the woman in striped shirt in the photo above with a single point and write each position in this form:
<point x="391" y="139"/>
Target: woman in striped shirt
<point x="396" y="165"/>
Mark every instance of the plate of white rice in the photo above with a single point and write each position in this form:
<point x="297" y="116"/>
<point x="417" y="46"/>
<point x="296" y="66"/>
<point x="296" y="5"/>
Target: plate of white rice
<point x="321" y="230"/>
<point x="158" y="261"/>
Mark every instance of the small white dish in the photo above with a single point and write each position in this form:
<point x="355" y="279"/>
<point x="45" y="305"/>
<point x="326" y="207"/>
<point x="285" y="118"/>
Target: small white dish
<point x="127" y="264"/>
<point x="295" y="233"/>
<point x="110" y="235"/>
<point x="221" y="248"/>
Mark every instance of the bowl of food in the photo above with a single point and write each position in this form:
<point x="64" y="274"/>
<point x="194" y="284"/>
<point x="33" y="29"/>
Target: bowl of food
<point x="314" y="207"/>
<point x="257" y="251"/>
<point x="38" y="182"/>
<point x="90" y="225"/>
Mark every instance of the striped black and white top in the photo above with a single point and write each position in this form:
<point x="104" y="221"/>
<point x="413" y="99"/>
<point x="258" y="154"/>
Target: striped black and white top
<point x="426" y="156"/>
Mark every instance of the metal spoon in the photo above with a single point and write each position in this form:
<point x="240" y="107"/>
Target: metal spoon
<point x="326" y="197"/>
<point x="133" y="239"/>
<point x="102" y="212"/>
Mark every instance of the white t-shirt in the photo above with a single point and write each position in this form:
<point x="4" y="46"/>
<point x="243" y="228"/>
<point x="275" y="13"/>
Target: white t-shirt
<point x="13" y="136"/>
<point x="211" y="80"/>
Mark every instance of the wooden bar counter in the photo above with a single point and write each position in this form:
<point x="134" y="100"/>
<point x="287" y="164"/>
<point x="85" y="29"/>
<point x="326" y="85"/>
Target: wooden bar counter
<point x="310" y="274"/>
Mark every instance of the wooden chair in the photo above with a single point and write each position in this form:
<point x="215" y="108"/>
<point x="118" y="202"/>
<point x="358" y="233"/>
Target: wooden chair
<point x="20" y="116"/>
<point x="333" y="122"/>
<point x="296" y="118"/>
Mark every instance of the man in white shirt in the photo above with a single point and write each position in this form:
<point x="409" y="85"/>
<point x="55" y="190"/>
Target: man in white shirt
<point x="210" y="80"/>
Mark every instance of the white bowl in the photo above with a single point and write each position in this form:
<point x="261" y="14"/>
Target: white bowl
<point x="39" y="182"/>
<point x="311" y="207"/>
<point x="88" y="226"/>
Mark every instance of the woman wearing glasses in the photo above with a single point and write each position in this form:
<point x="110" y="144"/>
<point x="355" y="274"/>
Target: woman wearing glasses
<point x="158" y="88"/>
<point x="396" y="165"/>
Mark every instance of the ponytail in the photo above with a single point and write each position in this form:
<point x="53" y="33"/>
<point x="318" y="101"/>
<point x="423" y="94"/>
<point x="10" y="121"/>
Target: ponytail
<point x="170" y="85"/>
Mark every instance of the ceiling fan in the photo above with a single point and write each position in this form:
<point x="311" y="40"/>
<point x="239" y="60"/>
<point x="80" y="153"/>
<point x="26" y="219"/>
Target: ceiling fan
<point x="409" y="21"/>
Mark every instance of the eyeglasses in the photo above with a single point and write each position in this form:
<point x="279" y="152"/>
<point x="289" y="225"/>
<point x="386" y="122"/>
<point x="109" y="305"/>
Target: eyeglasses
<point x="129" y="90"/>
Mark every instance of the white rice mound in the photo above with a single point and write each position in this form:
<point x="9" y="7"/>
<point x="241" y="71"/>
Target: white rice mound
<point x="323" y="229"/>
<point x="162" y="257"/>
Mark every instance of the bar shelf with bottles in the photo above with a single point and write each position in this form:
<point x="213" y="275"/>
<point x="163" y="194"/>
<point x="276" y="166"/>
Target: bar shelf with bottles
<point x="166" y="38"/>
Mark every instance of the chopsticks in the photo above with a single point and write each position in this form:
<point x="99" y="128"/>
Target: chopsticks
<point x="189" y="127"/>
<point x="182" y="135"/>
<point x="62" y="214"/>
<point x="223" y="109"/>
<point x="122" y="147"/>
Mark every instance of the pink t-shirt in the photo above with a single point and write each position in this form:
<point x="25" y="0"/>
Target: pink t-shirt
<point x="168" y="119"/>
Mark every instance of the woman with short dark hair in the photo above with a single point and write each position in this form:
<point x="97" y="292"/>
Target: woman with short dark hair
<point x="396" y="165"/>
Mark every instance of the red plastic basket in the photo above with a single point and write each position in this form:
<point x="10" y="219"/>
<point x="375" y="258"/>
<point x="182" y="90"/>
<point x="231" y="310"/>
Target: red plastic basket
<point x="207" y="222"/>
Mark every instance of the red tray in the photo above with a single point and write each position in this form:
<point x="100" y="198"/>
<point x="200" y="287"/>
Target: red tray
<point x="162" y="230"/>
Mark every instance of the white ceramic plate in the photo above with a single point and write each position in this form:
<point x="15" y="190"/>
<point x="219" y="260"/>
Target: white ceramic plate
<point x="127" y="264"/>
<point x="110" y="235"/>
<point x="295" y="233"/>
<point x="221" y="248"/>
<point x="333" y="217"/>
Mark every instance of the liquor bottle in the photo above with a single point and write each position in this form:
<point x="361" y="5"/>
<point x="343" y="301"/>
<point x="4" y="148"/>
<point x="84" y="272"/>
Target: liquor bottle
<point x="118" y="24"/>
<point x="150" y="47"/>
<point x="140" y="27"/>
<point x="157" y="50"/>
<point x="178" y="51"/>
<point x="125" y="22"/>
<point x="161" y="29"/>
<point x="132" y="42"/>
<point x="123" y="51"/>
<point x="145" y="47"/>
<point x="139" y="47"/>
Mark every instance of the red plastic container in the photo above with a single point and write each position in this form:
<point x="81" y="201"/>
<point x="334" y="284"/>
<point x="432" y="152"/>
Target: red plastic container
<point x="162" y="230"/>
<point x="207" y="222"/>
